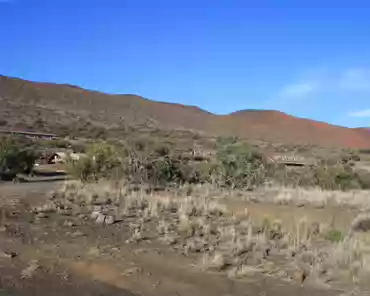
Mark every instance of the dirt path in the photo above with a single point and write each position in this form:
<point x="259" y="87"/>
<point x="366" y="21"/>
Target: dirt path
<point x="89" y="259"/>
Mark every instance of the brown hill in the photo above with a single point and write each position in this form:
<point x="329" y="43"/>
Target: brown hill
<point x="47" y="106"/>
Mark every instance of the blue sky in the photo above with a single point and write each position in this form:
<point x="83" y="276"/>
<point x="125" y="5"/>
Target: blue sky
<point x="307" y="58"/>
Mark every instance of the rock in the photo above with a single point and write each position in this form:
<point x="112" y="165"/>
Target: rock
<point x="47" y="208"/>
<point x="300" y="276"/>
<point x="131" y="271"/>
<point x="170" y="239"/>
<point x="94" y="215"/>
<point x="361" y="223"/>
<point x="30" y="270"/>
<point x="69" y="224"/>
<point x="41" y="215"/>
<point x="195" y="244"/>
<point x="100" y="219"/>
<point x="94" y="251"/>
<point x="157" y="283"/>
<point x="282" y="274"/>
<point x="83" y="217"/>
<point x="66" y="212"/>
<point x="78" y="234"/>
<point x="109" y="220"/>
<point x="7" y="255"/>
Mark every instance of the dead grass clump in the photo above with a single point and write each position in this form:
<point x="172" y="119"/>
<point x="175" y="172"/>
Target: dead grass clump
<point x="234" y="244"/>
<point x="216" y="261"/>
<point x="315" y="197"/>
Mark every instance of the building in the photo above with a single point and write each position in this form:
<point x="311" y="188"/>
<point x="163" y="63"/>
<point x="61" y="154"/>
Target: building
<point x="62" y="157"/>
<point x="35" y="135"/>
<point x="289" y="160"/>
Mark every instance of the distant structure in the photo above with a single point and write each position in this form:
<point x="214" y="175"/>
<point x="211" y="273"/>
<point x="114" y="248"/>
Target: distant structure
<point x="62" y="157"/>
<point x="289" y="160"/>
<point x="34" y="135"/>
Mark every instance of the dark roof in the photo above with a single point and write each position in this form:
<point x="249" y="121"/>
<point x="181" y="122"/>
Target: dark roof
<point x="40" y="134"/>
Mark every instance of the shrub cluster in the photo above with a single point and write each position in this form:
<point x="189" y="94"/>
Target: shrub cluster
<point x="15" y="158"/>
<point x="234" y="165"/>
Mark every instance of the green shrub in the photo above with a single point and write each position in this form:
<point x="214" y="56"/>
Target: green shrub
<point x="101" y="161"/>
<point x="334" y="235"/>
<point x="235" y="165"/>
<point x="14" y="158"/>
<point x="240" y="166"/>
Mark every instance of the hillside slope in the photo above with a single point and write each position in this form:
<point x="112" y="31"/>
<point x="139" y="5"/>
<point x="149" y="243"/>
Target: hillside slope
<point x="47" y="106"/>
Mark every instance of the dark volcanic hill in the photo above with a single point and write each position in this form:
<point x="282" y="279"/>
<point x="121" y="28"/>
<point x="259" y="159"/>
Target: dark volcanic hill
<point x="61" y="108"/>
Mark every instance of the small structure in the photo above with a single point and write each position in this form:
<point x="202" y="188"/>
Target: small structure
<point x="289" y="160"/>
<point x="62" y="157"/>
<point x="34" y="135"/>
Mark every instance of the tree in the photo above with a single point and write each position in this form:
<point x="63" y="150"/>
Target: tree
<point x="14" y="159"/>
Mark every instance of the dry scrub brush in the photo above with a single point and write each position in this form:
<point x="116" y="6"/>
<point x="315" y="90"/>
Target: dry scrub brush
<point x="202" y="227"/>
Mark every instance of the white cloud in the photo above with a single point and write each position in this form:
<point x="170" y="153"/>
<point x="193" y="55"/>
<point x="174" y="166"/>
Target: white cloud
<point x="300" y="89"/>
<point x="361" y="113"/>
<point x="355" y="79"/>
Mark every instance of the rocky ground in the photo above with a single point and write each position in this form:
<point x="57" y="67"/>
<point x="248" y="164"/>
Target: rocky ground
<point x="103" y="240"/>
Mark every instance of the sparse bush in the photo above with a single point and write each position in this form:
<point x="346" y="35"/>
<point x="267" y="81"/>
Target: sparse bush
<point x="235" y="165"/>
<point x="101" y="161"/>
<point x="334" y="235"/>
<point x="14" y="158"/>
<point x="239" y="166"/>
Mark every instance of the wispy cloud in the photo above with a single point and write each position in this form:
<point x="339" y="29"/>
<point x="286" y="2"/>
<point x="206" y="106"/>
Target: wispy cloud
<point x="360" y="113"/>
<point x="290" y="96"/>
<point x="299" y="89"/>
<point x="356" y="79"/>
<point x="325" y="94"/>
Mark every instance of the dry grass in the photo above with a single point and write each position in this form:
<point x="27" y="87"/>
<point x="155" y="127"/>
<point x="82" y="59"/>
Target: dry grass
<point x="238" y="245"/>
<point x="315" y="197"/>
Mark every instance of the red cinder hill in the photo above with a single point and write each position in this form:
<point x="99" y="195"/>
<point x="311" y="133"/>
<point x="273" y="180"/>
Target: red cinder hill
<point x="48" y="106"/>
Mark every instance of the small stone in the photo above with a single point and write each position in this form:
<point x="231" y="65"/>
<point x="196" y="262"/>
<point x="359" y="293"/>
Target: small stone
<point x="156" y="284"/>
<point x="94" y="251"/>
<point x="94" y="215"/>
<point x="109" y="220"/>
<point x="78" y="234"/>
<point x="7" y="255"/>
<point x="83" y="217"/>
<point x="282" y="274"/>
<point x="41" y="215"/>
<point x="100" y="219"/>
<point x="69" y="224"/>
<point x="65" y="212"/>
<point x="300" y="276"/>
<point x="30" y="270"/>
<point x="131" y="271"/>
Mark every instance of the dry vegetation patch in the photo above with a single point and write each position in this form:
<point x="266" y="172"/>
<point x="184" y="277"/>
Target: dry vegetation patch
<point x="203" y="229"/>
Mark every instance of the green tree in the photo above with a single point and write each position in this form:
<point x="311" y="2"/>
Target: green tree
<point x="240" y="165"/>
<point x="14" y="159"/>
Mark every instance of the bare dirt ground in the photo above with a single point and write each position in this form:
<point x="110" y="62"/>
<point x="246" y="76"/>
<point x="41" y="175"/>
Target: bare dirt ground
<point x="70" y="255"/>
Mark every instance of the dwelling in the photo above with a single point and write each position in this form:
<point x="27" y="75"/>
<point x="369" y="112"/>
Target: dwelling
<point x="289" y="160"/>
<point x="33" y="135"/>
<point x="61" y="157"/>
